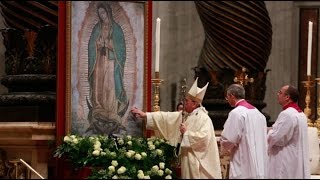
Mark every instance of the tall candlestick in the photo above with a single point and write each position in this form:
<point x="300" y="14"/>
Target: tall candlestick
<point x="157" y="44"/>
<point x="309" y="49"/>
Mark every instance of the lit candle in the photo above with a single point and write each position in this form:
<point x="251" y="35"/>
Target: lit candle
<point x="309" y="49"/>
<point x="157" y="44"/>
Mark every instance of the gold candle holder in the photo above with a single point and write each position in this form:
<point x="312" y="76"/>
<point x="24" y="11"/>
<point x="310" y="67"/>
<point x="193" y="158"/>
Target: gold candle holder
<point x="156" y="96"/>
<point x="242" y="78"/>
<point x="317" y="122"/>
<point x="307" y="111"/>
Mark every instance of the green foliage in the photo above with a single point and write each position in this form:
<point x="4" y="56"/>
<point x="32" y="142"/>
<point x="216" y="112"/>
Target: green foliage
<point x="119" y="157"/>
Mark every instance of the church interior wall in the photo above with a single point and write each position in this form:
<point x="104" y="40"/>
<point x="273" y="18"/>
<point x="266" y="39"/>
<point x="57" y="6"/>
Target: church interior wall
<point x="182" y="37"/>
<point x="283" y="60"/>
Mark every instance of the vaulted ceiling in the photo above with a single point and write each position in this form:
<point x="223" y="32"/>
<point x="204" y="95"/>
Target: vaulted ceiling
<point x="30" y="15"/>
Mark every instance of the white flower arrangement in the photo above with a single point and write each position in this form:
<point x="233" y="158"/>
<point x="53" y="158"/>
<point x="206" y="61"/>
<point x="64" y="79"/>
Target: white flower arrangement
<point x="121" y="157"/>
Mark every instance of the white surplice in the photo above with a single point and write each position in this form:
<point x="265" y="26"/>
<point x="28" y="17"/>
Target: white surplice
<point x="199" y="149"/>
<point x="288" y="146"/>
<point x="245" y="136"/>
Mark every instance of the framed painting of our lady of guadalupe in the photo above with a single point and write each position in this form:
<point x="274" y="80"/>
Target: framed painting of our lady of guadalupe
<point x="107" y="66"/>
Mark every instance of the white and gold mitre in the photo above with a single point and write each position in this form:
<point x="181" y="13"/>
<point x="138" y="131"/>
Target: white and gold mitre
<point x="196" y="93"/>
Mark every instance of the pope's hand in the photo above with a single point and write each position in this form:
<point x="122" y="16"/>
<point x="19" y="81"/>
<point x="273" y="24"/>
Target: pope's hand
<point x="138" y="113"/>
<point x="183" y="128"/>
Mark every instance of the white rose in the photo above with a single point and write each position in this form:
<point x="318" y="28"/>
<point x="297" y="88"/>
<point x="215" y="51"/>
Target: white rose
<point x="155" y="168"/>
<point x="97" y="144"/>
<point x="114" y="163"/>
<point x="96" y="153"/>
<point x="168" y="177"/>
<point x="96" y="147"/>
<point x="152" y="147"/>
<point x="67" y="139"/>
<point x="115" y="177"/>
<point x="146" y="177"/>
<point x="140" y="175"/>
<point x="150" y="142"/>
<point x="129" y="154"/>
<point x="120" y="141"/>
<point x="156" y="143"/>
<point x="143" y="154"/>
<point x="131" y="151"/>
<point x="137" y="157"/>
<point x="168" y="171"/>
<point x="129" y="143"/>
<point x="121" y="170"/>
<point x="75" y="141"/>
<point x="159" y="152"/>
<point x="129" y="137"/>
<point x="161" y="165"/>
<point x="140" y="172"/>
<point x="73" y="136"/>
<point x="113" y="154"/>
<point x="111" y="168"/>
<point x="160" y="172"/>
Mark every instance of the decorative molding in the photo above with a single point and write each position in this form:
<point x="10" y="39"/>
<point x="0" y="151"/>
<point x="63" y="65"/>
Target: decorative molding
<point x="26" y="133"/>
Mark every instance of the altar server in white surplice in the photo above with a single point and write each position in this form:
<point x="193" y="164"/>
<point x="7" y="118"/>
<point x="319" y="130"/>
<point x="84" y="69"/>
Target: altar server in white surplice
<point x="244" y="137"/>
<point x="288" y="139"/>
<point x="199" y="149"/>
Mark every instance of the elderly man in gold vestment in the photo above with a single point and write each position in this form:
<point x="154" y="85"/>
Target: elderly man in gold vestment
<point x="199" y="150"/>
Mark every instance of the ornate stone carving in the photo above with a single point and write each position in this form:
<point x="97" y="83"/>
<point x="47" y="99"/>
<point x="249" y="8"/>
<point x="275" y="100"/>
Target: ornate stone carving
<point x="30" y="66"/>
<point x="14" y="43"/>
<point x="18" y="170"/>
<point x="4" y="165"/>
<point x="238" y="35"/>
<point x="30" y="52"/>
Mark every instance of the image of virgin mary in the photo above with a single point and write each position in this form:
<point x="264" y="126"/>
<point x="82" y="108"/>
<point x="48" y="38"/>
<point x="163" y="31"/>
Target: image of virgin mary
<point x="107" y="100"/>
